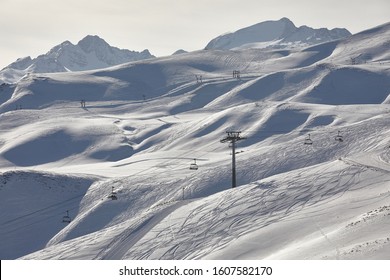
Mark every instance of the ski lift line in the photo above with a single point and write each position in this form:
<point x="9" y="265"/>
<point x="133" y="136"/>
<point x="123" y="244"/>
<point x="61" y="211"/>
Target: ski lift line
<point x="179" y="157"/>
<point x="156" y="166"/>
<point x="42" y="209"/>
<point x="287" y="131"/>
<point x="54" y="216"/>
<point x="275" y="132"/>
<point x="70" y="199"/>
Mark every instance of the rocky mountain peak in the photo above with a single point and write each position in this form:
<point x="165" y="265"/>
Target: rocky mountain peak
<point x="275" y="34"/>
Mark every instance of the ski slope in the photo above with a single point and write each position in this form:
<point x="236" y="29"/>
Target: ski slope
<point x="144" y="124"/>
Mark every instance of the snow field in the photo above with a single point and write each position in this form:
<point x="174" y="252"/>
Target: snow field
<point x="144" y="124"/>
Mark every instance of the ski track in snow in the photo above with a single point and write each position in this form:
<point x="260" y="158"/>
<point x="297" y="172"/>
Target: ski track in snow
<point x="124" y="241"/>
<point x="233" y="226"/>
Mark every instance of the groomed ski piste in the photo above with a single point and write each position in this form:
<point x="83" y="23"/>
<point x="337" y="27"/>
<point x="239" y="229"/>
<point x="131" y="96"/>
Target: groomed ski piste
<point x="143" y="125"/>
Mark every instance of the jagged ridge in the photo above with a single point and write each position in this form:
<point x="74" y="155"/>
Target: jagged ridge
<point x="92" y="52"/>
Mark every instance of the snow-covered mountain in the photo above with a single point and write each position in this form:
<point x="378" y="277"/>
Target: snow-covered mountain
<point x="313" y="169"/>
<point x="276" y="34"/>
<point x="91" y="52"/>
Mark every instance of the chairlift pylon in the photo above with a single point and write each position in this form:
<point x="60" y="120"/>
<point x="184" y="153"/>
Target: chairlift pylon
<point x="194" y="166"/>
<point x="66" y="218"/>
<point x="339" y="137"/>
<point x="308" y="140"/>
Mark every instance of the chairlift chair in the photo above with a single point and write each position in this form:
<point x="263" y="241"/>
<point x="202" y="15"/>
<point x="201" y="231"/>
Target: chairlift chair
<point x="339" y="137"/>
<point x="308" y="140"/>
<point x="66" y="218"/>
<point x="113" y="195"/>
<point x="194" y="166"/>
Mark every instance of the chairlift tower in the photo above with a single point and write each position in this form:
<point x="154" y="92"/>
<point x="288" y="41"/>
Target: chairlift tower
<point x="233" y="137"/>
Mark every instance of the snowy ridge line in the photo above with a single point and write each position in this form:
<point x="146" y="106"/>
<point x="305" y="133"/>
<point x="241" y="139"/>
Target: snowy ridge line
<point x="364" y="165"/>
<point x="89" y="53"/>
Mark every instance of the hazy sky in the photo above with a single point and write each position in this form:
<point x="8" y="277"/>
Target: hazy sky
<point x="33" y="27"/>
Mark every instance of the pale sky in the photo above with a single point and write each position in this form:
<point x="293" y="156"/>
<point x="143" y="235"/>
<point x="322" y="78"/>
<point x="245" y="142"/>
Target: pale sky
<point x="33" y="27"/>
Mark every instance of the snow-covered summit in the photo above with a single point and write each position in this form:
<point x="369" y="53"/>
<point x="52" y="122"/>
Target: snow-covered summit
<point x="92" y="52"/>
<point x="277" y="34"/>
